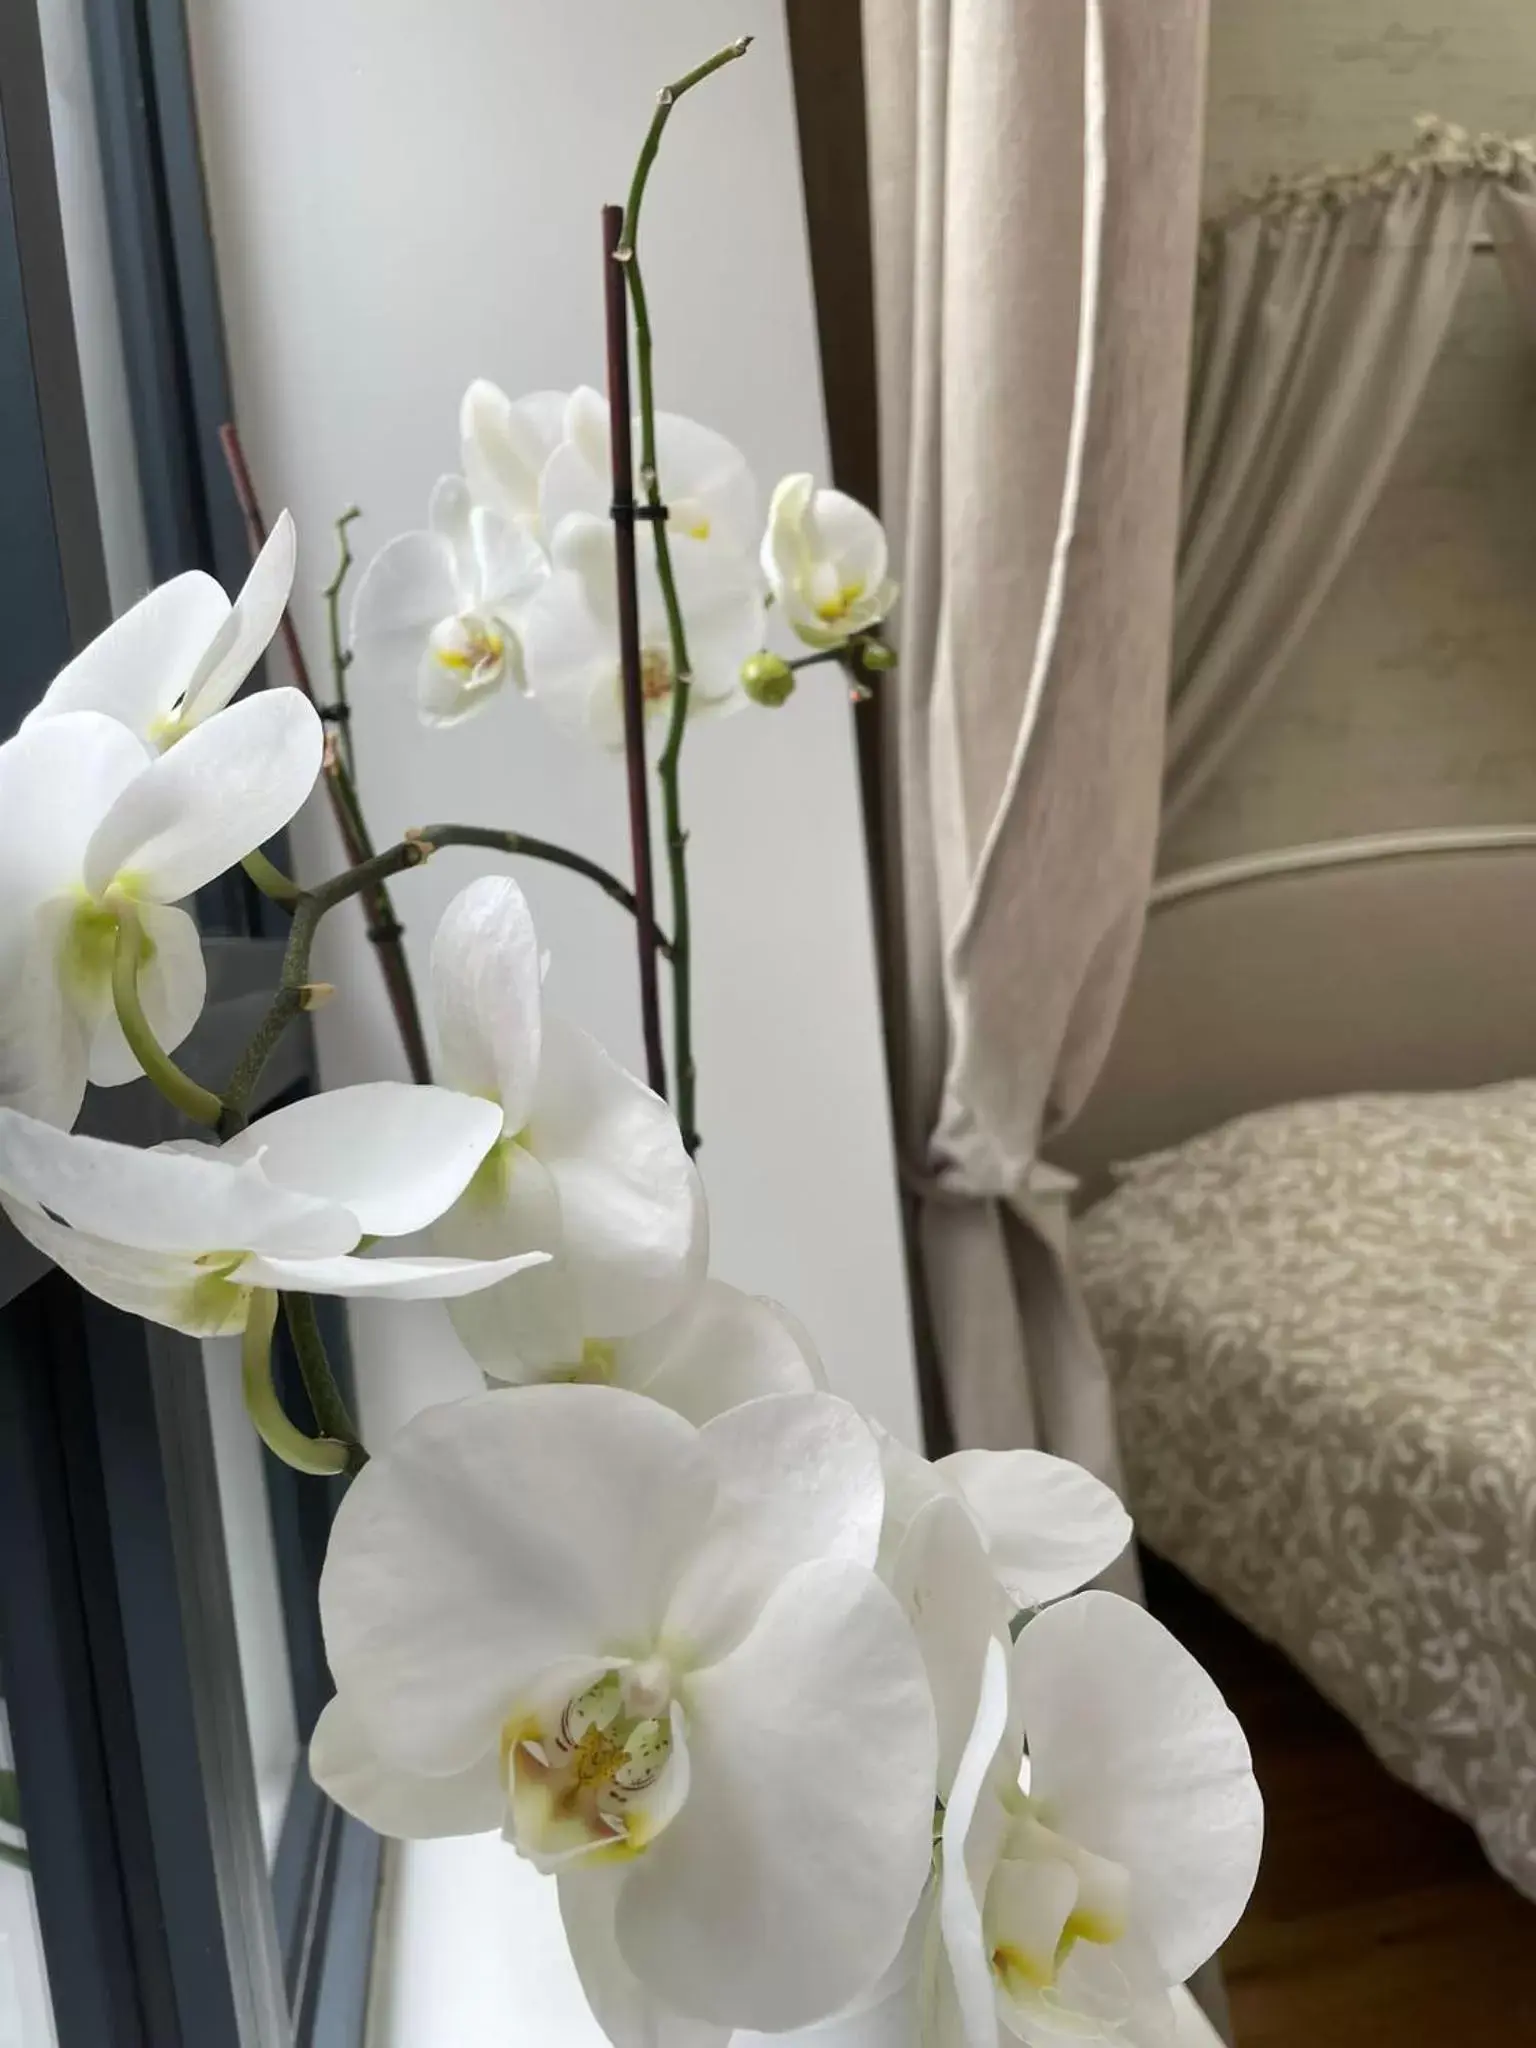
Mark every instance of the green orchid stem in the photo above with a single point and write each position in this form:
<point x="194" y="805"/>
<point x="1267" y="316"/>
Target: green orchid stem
<point x="322" y="1457"/>
<point x="367" y="879"/>
<point x="270" y="879"/>
<point x="684" y="1076"/>
<point x="289" y="1000"/>
<point x="331" y="1411"/>
<point x="526" y="846"/>
<point x="341" y="659"/>
<point x="178" y="1088"/>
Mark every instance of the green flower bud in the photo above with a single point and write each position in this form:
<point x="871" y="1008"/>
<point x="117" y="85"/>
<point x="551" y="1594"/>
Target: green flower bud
<point x="768" y="680"/>
<point x="873" y="654"/>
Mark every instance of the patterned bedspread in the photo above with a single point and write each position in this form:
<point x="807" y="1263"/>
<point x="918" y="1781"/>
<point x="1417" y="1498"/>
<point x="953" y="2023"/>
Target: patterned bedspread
<point x="1321" y="1321"/>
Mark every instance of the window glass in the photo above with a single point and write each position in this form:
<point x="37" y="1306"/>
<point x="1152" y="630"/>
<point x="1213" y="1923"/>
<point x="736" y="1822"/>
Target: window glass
<point x="26" y="2016"/>
<point x="98" y="335"/>
<point x="265" y="1673"/>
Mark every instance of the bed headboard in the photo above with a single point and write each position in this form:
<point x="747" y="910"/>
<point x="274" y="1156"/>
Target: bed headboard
<point x="1401" y="962"/>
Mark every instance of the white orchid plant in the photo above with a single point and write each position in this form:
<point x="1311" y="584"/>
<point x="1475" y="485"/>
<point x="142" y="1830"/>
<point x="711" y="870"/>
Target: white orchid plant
<point x="797" y="1721"/>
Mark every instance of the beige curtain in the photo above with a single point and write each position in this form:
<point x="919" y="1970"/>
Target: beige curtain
<point x="1512" y="222"/>
<point x="1034" y="169"/>
<point x="1317" y="332"/>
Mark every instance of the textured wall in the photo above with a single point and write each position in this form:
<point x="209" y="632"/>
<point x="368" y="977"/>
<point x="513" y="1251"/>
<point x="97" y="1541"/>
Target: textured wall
<point x="1413" y="699"/>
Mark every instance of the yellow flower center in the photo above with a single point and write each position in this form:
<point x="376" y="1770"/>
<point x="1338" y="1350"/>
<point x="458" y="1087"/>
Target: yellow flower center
<point x="831" y="610"/>
<point x="472" y="649"/>
<point x="216" y="1303"/>
<point x="582" y="1782"/>
<point x="87" y="943"/>
<point x="1046" y="1895"/>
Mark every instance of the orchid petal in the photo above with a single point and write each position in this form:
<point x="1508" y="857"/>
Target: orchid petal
<point x="136" y="671"/>
<point x="627" y="1187"/>
<point x="626" y="2011"/>
<point x="571" y="482"/>
<point x="851" y="535"/>
<point x="58" y="779"/>
<point x="510" y="566"/>
<point x="406" y="590"/>
<point x="1032" y="1901"/>
<point x="161" y="1287"/>
<point x="705" y="478"/>
<point x="1049" y="1526"/>
<point x="230" y="784"/>
<point x="258" y="612"/>
<point x="396" y="1155"/>
<point x="942" y="1577"/>
<point x="173" y="983"/>
<point x="972" y="1835"/>
<point x="799" y="1479"/>
<point x="487" y="995"/>
<point x="718" y="1917"/>
<point x="163" y="1199"/>
<point x="1135" y="1755"/>
<point x="400" y="1279"/>
<point x="721" y="1348"/>
<point x="44" y="1037"/>
<point x="721" y="596"/>
<point x="558" y="1516"/>
<point x="531" y="1326"/>
<point x="399" y="1803"/>
<point x="448" y="513"/>
<point x="506" y="444"/>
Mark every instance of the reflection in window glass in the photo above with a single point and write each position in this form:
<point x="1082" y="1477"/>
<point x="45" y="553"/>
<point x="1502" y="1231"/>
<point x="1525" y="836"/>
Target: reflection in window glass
<point x="265" y="1673"/>
<point x="87" y="252"/>
<point x="26" y="2014"/>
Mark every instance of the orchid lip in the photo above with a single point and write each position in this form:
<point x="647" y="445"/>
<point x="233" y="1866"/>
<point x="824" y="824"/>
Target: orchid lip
<point x="600" y="1775"/>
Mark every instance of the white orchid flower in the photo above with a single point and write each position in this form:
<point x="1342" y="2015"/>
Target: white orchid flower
<point x="182" y="1234"/>
<point x="710" y="494"/>
<point x="657" y="1657"/>
<point x="1069" y="1908"/>
<point x="182" y="652"/>
<point x="441" y="611"/>
<point x="972" y="1539"/>
<point x="720" y="1349"/>
<point x="1046" y="1526"/>
<point x="825" y="558"/>
<point x="505" y="444"/>
<point x="588" y="1164"/>
<point x="571" y="637"/>
<point x="95" y="829"/>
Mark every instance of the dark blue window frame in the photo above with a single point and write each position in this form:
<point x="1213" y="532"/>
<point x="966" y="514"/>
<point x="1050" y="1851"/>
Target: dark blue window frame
<point x="161" y="1925"/>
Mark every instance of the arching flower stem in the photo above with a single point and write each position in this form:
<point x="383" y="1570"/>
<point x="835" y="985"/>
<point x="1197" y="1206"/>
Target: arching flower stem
<point x="684" y="1079"/>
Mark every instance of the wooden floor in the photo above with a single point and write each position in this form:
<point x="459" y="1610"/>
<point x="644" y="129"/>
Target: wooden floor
<point x="1376" y="1922"/>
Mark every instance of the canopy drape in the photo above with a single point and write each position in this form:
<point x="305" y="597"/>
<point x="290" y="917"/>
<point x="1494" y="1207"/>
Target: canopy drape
<point x="1034" y="178"/>
<point x="1318" y="330"/>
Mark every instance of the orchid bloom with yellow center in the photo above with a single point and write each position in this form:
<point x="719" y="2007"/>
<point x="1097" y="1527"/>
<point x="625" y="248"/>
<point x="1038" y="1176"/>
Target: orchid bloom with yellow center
<point x="1100" y="1839"/>
<point x="571" y="637"/>
<point x="185" y="1234"/>
<point x="710" y="494"/>
<point x="588" y="1164"/>
<point x="825" y="559"/>
<point x="701" y="1695"/>
<point x="96" y="829"/>
<point x="441" y="611"/>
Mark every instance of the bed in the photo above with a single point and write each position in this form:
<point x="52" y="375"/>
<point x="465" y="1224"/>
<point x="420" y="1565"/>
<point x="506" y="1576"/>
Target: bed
<point x="1310" y="1253"/>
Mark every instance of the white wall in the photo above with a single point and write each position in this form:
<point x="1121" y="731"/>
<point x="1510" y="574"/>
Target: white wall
<point x="405" y="197"/>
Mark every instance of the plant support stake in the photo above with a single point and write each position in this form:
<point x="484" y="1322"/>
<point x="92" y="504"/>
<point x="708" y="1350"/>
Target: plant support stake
<point x="616" y="304"/>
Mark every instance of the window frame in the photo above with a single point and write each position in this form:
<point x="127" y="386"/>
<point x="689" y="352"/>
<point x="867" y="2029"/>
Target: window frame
<point x="162" y="1925"/>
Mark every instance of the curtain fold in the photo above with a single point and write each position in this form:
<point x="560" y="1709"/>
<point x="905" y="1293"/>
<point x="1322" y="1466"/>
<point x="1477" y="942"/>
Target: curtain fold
<point x="1512" y="223"/>
<point x="1034" y="180"/>
<point x="1317" y="333"/>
